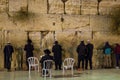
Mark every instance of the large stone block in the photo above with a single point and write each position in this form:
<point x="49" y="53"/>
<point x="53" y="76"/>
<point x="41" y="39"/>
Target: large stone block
<point x="18" y="5"/>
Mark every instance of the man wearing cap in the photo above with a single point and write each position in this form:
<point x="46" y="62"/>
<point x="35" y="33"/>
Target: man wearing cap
<point x="8" y="50"/>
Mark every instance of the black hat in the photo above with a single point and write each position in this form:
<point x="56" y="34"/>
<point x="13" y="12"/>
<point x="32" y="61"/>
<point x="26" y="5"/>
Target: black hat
<point x="56" y="42"/>
<point x="47" y="51"/>
<point x="29" y="41"/>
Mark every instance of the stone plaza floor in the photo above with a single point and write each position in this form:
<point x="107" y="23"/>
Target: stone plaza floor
<point x="98" y="74"/>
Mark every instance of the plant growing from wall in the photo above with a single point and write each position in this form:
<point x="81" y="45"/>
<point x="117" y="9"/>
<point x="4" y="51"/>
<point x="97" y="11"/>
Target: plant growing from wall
<point x="27" y="5"/>
<point x="115" y="16"/>
<point x="48" y="6"/>
<point x="98" y="5"/>
<point x="80" y="6"/>
<point x="64" y="1"/>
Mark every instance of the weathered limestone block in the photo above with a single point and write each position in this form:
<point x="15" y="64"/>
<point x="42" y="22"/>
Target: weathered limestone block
<point x="73" y="7"/>
<point x="56" y="6"/>
<point x="18" y="5"/>
<point x="74" y="23"/>
<point x="2" y="8"/>
<point x="105" y="6"/>
<point x="38" y="6"/>
<point x="2" y="5"/>
<point x="100" y="23"/>
<point x="93" y="7"/>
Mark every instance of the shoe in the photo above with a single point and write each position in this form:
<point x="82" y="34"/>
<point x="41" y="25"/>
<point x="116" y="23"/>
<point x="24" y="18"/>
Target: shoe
<point x="86" y="68"/>
<point x="78" y="69"/>
<point x="9" y="70"/>
<point x="90" y="68"/>
<point x="56" y="69"/>
<point x="117" y="67"/>
<point x="60" y="69"/>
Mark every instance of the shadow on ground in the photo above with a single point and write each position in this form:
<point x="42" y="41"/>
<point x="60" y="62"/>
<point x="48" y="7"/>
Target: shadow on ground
<point x="67" y="76"/>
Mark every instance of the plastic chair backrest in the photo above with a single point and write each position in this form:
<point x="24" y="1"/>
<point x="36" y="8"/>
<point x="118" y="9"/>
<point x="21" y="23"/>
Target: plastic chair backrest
<point x="47" y="64"/>
<point x="69" y="62"/>
<point x="33" y="61"/>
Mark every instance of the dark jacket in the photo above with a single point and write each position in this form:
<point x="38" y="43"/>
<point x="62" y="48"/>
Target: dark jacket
<point x="81" y="49"/>
<point x="57" y="50"/>
<point x="117" y="49"/>
<point x="8" y="50"/>
<point x="89" y="49"/>
<point x="45" y="57"/>
<point x="29" y="50"/>
<point x="106" y="46"/>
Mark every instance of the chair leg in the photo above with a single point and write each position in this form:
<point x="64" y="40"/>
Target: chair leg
<point x="29" y="69"/>
<point x="38" y="68"/>
<point x="50" y="72"/>
<point x="35" y="68"/>
<point x="42" y="72"/>
<point x="45" y="73"/>
<point x="63" y="71"/>
<point x="72" y="70"/>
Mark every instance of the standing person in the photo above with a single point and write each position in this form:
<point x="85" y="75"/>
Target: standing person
<point x="57" y="50"/>
<point x="81" y="49"/>
<point x="89" y="54"/>
<point x="117" y="53"/>
<point x="107" y="50"/>
<point x="47" y="56"/>
<point x="29" y="50"/>
<point x="8" y="50"/>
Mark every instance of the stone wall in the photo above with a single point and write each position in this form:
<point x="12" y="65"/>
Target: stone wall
<point x="30" y="18"/>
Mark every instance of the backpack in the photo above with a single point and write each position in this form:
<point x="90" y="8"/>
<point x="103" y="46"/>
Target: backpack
<point x="107" y="50"/>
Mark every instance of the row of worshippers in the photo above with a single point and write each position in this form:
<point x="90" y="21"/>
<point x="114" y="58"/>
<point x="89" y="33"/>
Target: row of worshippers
<point x="108" y="50"/>
<point x="8" y="50"/>
<point x="85" y="52"/>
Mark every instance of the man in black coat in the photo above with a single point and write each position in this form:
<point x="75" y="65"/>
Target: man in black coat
<point x="81" y="49"/>
<point x="47" y="56"/>
<point x="89" y="54"/>
<point x="57" y="50"/>
<point x="8" y="50"/>
<point x="29" y="51"/>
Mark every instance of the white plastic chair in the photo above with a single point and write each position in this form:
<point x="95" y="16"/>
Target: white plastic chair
<point x="68" y="64"/>
<point x="33" y="62"/>
<point x="47" y="66"/>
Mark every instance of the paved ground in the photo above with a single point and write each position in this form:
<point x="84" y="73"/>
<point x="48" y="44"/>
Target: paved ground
<point x="99" y="74"/>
